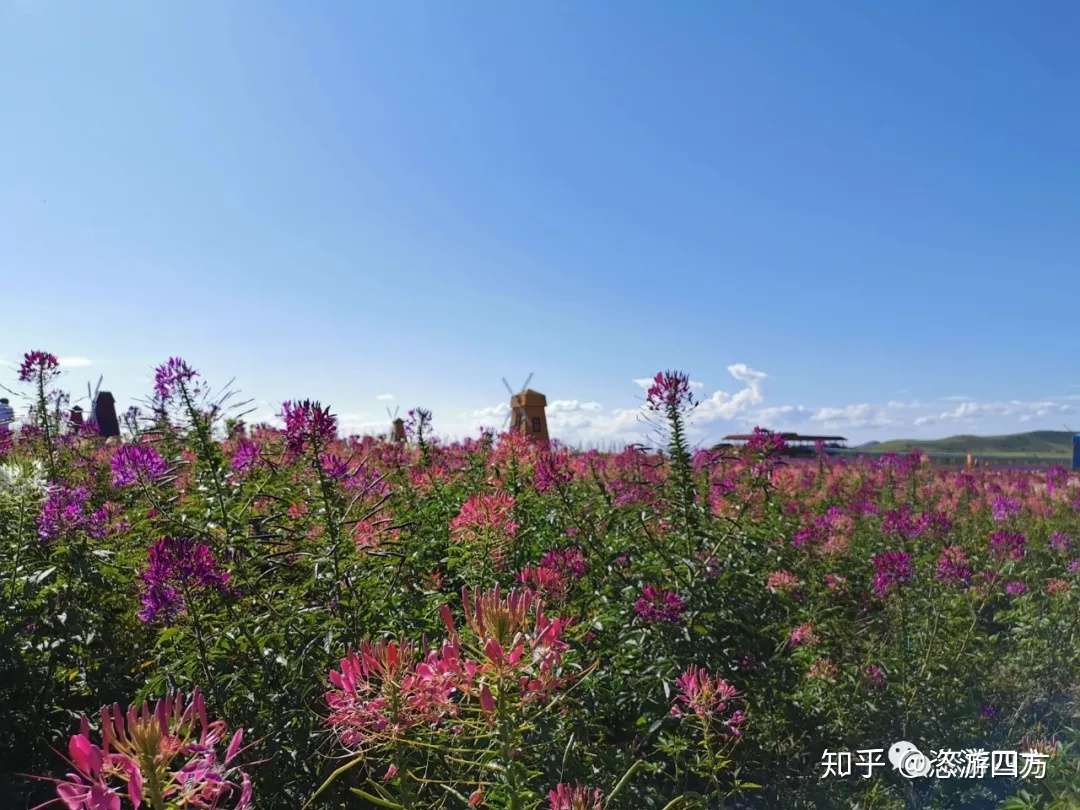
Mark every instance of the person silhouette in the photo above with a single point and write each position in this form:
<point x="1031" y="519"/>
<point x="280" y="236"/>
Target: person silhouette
<point x="7" y="415"/>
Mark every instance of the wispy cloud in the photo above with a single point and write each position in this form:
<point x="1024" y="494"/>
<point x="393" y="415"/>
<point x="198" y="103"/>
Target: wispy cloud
<point x="385" y="397"/>
<point x="75" y="361"/>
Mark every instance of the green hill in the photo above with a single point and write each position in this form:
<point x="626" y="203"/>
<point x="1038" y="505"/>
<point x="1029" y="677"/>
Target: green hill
<point x="1033" y="443"/>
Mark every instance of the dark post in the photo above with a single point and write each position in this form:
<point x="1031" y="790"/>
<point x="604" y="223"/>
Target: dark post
<point x="105" y="414"/>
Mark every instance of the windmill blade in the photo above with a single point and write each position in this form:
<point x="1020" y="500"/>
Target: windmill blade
<point x="397" y="410"/>
<point x="389" y="414"/>
<point x="528" y="380"/>
<point x="505" y="420"/>
<point x="509" y="390"/>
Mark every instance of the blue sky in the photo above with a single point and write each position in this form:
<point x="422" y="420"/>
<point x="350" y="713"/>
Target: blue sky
<point x="853" y="217"/>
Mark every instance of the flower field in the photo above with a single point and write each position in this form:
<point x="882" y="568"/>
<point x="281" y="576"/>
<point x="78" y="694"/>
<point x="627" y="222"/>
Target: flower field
<point x="288" y="618"/>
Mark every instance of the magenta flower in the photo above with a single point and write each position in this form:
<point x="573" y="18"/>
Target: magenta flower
<point x="66" y="510"/>
<point x="552" y="470"/>
<point x="765" y="442"/>
<point x="574" y="797"/>
<point x="891" y="570"/>
<point x="657" y="605"/>
<point x="172" y="747"/>
<point x="38" y="364"/>
<point x="1008" y="545"/>
<point x="953" y="567"/>
<point x="133" y="463"/>
<point x="171" y="376"/>
<point x="1059" y="541"/>
<point x="1003" y="508"/>
<point x="709" y="697"/>
<point x="333" y="466"/>
<point x="803" y="636"/>
<point x="176" y="569"/>
<point x="307" y="423"/>
<point x="670" y="390"/>
<point x="1015" y="587"/>
<point x="245" y="456"/>
<point x="568" y="561"/>
<point x="874" y="674"/>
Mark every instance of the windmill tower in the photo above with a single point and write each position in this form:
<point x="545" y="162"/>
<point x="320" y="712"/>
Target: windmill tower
<point x="527" y="413"/>
<point x="397" y="425"/>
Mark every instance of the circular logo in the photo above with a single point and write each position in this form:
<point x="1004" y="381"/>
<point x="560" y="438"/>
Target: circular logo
<point x="913" y="764"/>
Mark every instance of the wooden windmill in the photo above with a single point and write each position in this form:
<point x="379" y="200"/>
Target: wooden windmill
<point x="397" y="425"/>
<point x="527" y="414"/>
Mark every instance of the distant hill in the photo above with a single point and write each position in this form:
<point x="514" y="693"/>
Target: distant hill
<point x="1033" y="443"/>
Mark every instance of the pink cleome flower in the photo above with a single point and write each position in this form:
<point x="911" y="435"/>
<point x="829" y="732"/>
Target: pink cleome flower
<point x="803" y="636"/>
<point x="710" y="698"/>
<point x="172" y="746"/>
<point x="485" y="513"/>
<point x="574" y="797"/>
<point x="38" y="364"/>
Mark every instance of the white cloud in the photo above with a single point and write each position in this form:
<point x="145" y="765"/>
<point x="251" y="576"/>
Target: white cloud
<point x="491" y="412"/>
<point x="572" y="406"/>
<point x="721" y="405"/>
<point x="969" y="412"/>
<point x="385" y="397"/>
<point x="75" y="362"/>
<point x="858" y="415"/>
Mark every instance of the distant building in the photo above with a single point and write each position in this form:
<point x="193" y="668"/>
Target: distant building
<point x="797" y="443"/>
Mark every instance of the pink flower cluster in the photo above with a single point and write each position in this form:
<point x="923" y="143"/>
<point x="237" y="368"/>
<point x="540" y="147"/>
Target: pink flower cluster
<point x="1008" y="545"/>
<point x="133" y="463"/>
<point x="307" y="423"/>
<point x="670" y="390"/>
<point x="66" y="510"/>
<point x="891" y="570"/>
<point x="176" y="569"/>
<point x="36" y="364"/>
<point x="953" y="567"/>
<point x="803" y="636"/>
<point x="384" y="689"/>
<point x="556" y="571"/>
<point x="710" y="698"/>
<point x="171" y="375"/>
<point x="658" y="605"/>
<point x="783" y="582"/>
<point x="485" y="513"/>
<point x="517" y="638"/>
<point x="552" y="470"/>
<point x="168" y="752"/>
<point x="574" y="797"/>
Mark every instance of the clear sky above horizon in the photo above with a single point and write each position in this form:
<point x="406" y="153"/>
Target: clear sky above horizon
<point x="845" y="217"/>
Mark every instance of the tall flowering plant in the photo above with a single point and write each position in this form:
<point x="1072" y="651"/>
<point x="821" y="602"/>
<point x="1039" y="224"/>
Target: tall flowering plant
<point x="40" y="369"/>
<point x="471" y="695"/>
<point x="671" y="398"/>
